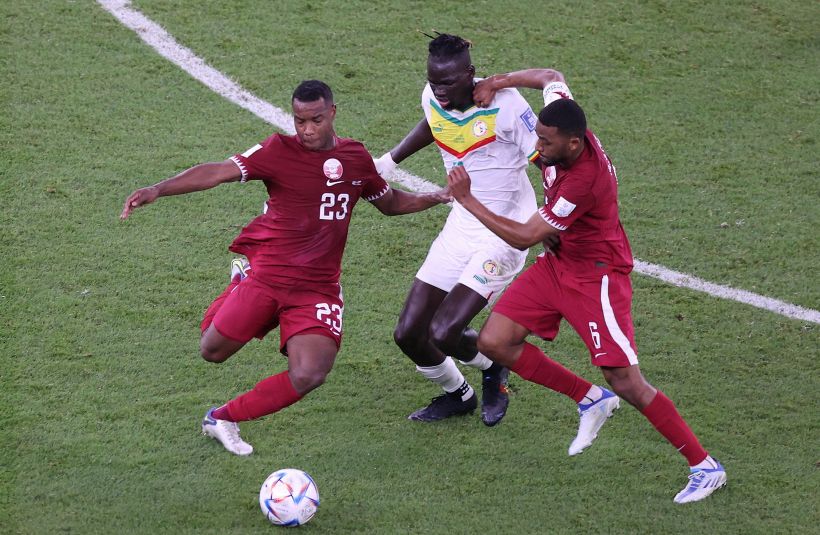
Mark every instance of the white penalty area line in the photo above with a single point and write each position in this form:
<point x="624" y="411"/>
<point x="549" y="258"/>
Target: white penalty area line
<point x="161" y="41"/>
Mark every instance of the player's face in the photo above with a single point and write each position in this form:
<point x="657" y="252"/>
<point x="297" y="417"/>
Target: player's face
<point x="451" y="82"/>
<point x="314" y="123"/>
<point x="555" y="148"/>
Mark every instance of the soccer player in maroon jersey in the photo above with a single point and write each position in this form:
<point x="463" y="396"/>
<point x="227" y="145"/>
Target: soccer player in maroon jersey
<point x="585" y="280"/>
<point x="314" y="180"/>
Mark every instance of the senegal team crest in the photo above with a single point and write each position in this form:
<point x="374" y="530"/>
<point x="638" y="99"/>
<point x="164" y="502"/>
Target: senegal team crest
<point x="479" y="129"/>
<point x="333" y="168"/>
<point x="491" y="268"/>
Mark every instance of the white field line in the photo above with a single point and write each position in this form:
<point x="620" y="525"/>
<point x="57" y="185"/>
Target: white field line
<point x="161" y="41"/>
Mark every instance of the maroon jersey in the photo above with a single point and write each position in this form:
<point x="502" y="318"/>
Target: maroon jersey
<point x="302" y="235"/>
<point x="582" y="202"/>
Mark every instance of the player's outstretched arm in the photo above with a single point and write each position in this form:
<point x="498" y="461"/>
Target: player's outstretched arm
<point x="519" y="235"/>
<point x="200" y="177"/>
<point x="418" y="138"/>
<point x="486" y="89"/>
<point x="398" y="202"/>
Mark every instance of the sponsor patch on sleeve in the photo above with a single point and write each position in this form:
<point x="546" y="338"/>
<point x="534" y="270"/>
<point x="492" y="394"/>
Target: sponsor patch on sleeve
<point x="562" y="207"/>
<point x="528" y="118"/>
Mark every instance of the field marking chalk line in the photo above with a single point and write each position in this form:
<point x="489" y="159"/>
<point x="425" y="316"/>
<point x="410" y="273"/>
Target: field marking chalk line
<point x="155" y="36"/>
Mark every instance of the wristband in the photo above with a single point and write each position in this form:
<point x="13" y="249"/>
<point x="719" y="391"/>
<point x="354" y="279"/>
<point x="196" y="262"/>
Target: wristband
<point x="384" y="164"/>
<point x="555" y="91"/>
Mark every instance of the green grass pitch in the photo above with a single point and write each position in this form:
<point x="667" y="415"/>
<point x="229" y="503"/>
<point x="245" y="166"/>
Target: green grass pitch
<point x="708" y="109"/>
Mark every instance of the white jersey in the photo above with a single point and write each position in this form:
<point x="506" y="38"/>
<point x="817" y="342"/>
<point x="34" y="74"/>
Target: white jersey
<point x="495" y="145"/>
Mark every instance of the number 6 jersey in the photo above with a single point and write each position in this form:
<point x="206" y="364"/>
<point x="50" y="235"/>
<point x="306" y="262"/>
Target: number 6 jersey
<point x="302" y="235"/>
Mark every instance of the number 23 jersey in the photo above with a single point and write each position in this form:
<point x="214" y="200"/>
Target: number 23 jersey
<point x="302" y="234"/>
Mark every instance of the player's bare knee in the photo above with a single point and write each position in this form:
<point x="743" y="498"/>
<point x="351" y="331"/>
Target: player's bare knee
<point x="407" y="336"/>
<point x="211" y="355"/>
<point x="306" y="380"/>
<point x="399" y="334"/>
<point x="445" y="336"/>
<point x="488" y="345"/>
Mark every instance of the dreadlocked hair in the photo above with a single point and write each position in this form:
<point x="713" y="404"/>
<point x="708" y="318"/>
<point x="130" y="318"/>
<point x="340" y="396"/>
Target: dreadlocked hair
<point x="445" y="45"/>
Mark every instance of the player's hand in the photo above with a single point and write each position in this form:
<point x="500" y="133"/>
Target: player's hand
<point x="552" y="242"/>
<point x="458" y="181"/>
<point x="140" y="197"/>
<point x="384" y="165"/>
<point x="483" y="92"/>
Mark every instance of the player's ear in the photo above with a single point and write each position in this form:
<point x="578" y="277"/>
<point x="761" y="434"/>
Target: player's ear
<point x="574" y="143"/>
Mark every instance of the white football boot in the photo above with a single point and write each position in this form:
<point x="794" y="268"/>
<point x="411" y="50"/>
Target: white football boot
<point x="593" y="417"/>
<point x="225" y="432"/>
<point x="702" y="483"/>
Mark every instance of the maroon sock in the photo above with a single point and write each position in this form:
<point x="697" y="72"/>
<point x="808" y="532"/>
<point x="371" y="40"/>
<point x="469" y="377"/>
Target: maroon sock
<point x="533" y="365"/>
<point x="268" y="396"/>
<point x="208" y="317"/>
<point x="662" y="414"/>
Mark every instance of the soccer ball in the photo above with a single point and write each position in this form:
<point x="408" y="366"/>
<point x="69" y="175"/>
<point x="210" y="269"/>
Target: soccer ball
<point x="289" y="497"/>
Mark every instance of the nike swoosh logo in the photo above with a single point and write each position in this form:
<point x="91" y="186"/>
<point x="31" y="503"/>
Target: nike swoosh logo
<point x="599" y="354"/>
<point x="334" y="182"/>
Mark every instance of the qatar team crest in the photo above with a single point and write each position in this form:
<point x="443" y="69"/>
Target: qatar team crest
<point x="491" y="268"/>
<point x="479" y="128"/>
<point x="333" y="168"/>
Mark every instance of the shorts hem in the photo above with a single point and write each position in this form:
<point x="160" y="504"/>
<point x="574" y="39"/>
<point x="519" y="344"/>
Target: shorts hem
<point x="310" y="330"/>
<point x="233" y="338"/>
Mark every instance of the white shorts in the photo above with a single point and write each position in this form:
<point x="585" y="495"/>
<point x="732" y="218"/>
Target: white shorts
<point x="487" y="265"/>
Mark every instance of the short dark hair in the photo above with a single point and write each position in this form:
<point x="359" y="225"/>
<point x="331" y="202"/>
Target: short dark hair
<point x="566" y="115"/>
<point x="313" y="90"/>
<point x="448" y="46"/>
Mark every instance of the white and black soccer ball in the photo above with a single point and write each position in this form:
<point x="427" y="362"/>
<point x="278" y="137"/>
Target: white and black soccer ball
<point x="289" y="497"/>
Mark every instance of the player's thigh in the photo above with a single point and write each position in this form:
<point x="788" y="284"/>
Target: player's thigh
<point x="503" y="331"/>
<point x="422" y="302"/>
<point x="250" y="310"/>
<point x="600" y="311"/>
<point x="491" y="267"/>
<point x="459" y="307"/>
<point x="316" y="310"/>
<point x="215" y="347"/>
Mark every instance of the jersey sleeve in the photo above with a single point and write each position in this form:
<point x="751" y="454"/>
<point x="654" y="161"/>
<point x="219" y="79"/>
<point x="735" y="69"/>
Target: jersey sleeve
<point x="258" y="162"/>
<point x="517" y="124"/>
<point x="573" y="199"/>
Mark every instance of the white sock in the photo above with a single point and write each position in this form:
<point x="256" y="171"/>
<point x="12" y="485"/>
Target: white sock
<point x="593" y="394"/>
<point x="480" y="361"/>
<point x="708" y="462"/>
<point x="447" y="376"/>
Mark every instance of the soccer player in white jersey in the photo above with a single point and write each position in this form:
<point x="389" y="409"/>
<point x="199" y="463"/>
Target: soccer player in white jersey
<point x="467" y="266"/>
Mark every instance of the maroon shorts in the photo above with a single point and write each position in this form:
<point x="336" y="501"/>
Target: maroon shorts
<point x="255" y="308"/>
<point x="598" y="306"/>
